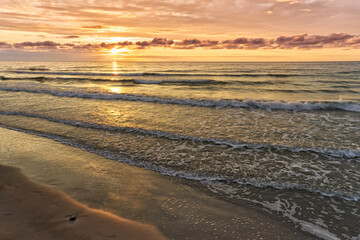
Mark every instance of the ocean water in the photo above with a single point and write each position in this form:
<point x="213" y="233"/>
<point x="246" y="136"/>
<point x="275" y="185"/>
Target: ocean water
<point x="282" y="136"/>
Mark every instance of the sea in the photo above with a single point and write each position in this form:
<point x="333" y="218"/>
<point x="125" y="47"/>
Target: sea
<point x="284" y="136"/>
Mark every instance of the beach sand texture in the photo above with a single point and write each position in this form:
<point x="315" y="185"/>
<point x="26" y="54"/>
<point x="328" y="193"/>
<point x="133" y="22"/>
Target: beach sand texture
<point x="31" y="211"/>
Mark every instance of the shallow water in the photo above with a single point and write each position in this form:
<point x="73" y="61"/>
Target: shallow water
<point x="282" y="135"/>
<point x="175" y="206"/>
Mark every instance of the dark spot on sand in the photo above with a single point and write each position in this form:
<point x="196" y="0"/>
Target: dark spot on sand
<point x="72" y="218"/>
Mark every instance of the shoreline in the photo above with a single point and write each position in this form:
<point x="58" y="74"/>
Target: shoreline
<point x="179" y="210"/>
<point x="32" y="211"/>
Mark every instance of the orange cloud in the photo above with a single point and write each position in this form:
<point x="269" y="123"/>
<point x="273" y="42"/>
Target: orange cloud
<point x="183" y="19"/>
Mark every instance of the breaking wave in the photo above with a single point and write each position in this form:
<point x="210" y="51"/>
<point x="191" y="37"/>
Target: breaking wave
<point x="158" y="74"/>
<point x="338" y="153"/>
<point x="221" y="103"/>
<point x="182" y="173"/>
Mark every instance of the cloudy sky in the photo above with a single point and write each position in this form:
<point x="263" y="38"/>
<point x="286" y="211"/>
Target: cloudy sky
<point x="215" y="30"/>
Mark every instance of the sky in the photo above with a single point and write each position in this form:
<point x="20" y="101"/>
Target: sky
<point x="180" y="30"/>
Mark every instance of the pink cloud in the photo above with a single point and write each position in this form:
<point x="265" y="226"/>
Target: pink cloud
<point x="315" y="41"/>
<point x="93" y="26"/>
<point x="303" y="41"/>
<point x="71" y="36"/>
<point x="45" y="44"/>
<point x="5" y="45"/>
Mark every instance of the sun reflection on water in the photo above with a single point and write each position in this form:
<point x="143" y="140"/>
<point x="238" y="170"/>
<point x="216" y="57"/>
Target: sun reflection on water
<point x="115" y="89"/>
<point x="115" y="69"/>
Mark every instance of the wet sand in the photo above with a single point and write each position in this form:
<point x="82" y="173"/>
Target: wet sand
<point x="31" y="211"/>
<point x="179" y="210"/>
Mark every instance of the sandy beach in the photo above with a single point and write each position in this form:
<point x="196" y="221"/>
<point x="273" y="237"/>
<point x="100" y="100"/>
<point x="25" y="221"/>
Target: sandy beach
<point x="33" y="211"/>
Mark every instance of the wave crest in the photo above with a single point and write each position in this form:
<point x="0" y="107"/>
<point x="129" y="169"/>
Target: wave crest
<point x="160" y="74"/>
<point x="338" y="153"/>
<point x="187" y="175"/>
<point x="221" y="103"/>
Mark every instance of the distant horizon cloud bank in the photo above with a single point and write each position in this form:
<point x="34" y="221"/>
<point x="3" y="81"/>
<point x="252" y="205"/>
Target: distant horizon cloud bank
<point x="302" y="42"/>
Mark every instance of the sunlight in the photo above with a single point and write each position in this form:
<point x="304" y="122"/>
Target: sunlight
<point x="120" y="51"/>
<point x="115" y="69"/>
<point x="115" y="89"/>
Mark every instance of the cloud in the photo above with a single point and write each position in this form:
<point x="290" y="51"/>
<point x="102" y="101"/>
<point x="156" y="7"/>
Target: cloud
<point x="315" y="41"/>
<point x="289" y="1"/>
<point x="156" y="42"/>
<point x="246" y="43"/>
<point x="354" y="40"/>
<point x="118" y="44"/>
<point x="93" y="26"/>
<point x="81" y="47"/>
<point x="37" y="45"/>
<point x="196" y="43"/>
<point x="161" y="42"/>
<point x="185" y="19"/>
<point x="303" y="41"/>
<point x="71" y="37"/>
<point x="5" y="45"/>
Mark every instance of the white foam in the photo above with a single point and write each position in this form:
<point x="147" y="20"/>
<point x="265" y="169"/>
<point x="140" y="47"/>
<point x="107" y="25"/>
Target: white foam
<point x="259" y="104"/>
<point x="158" y="74"/>
<point x="184" y="173"/>
<point x="141" y="81"/>
<point x="338" y="153"/>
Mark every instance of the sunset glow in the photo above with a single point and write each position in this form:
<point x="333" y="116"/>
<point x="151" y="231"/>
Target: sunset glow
<point x="116" y="50"/>
<point x="229" y="30"/>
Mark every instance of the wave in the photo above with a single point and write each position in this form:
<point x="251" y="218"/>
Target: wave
<point x="337" y="91"/>
<point x="338" y="153"/>
<point x="160" y="74"/>
<point x="251" y="83"/>
<point x="133" y="81"/>
<point x="349" y="72"/>
<point x="81" y="79"/>
<point x="143" y="81"/>
<point x="183" y="174"/>
<point x="176" y="82"/>
<point x="26" y="78"/>
<point x="307" y="226"/>
<point x="338" y="81"/>
<point x="84" y="73"/>
<point x="35" y="69"/>
<point x="180" y="71"/>
<point x="310" y="91"/>
<point x="223" y="103"/>
<point x="38" y="69"/>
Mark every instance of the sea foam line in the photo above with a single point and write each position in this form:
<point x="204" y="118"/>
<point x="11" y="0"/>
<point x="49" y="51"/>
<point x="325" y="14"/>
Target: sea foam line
<point x="126" y="80"/>
<point x="176" y="81"/>
<point x="223" y="103"/>
<point x="127" y="159"/>
<point x="143" y="81"/>
<point x="159" y="74"/>
<point x="338" y="153"/>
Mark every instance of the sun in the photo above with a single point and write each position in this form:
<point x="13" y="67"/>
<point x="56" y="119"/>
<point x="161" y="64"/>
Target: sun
<point x="116" y="50"/>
